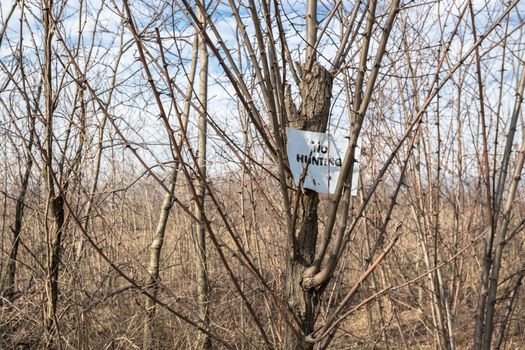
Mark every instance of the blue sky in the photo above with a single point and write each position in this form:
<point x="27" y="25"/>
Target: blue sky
<point x="134" y="104"/>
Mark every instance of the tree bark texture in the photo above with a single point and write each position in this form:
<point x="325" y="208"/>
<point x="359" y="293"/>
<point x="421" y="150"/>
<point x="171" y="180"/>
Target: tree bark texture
<point x="316" y="94"/>
<point x="55" y="198"/>
<point x="8" y="286"/>
<point x="202" y="260"/>
<point x="150" y="340"/>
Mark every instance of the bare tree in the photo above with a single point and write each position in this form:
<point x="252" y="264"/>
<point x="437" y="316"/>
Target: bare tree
<point x="167" y="204"/>
<point x="203" y="285"/>
<point x="142" y="208"/>
<point x="8" y="283"/>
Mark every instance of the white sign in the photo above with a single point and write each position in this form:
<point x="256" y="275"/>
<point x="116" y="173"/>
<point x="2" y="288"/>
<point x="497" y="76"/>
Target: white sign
<point x="316" y="158"/>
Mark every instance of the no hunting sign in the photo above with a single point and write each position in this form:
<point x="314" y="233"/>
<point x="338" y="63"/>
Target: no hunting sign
<point x="315" y="160"/>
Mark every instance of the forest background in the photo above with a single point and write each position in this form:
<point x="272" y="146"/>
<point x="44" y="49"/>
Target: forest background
<point x="146" y="199"/>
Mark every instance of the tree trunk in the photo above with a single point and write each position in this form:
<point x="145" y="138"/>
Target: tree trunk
<point x="149" y="340"/>
<point x="202" y="263"/>
<point x="55" y="201"/>
<point x="316" y="94"/>
<point x="9" y="286"/>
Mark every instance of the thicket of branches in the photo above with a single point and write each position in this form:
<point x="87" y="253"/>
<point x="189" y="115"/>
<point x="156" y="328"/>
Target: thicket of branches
<point x="146" y="195"/>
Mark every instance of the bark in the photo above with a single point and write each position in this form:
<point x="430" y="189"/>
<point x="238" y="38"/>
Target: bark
<point x="498" y="253"/>
<point x="8" y="285"/>
<point x="9" y="291"/>
<point x="149" y="340"/>
<point x="488" y="283"/>
<point x="311" y="32"/>
<point x="55" y="201"/>
<point x="58" y="218"/>
<point x="202" y="264"/>
<point x="316" y="93"/>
